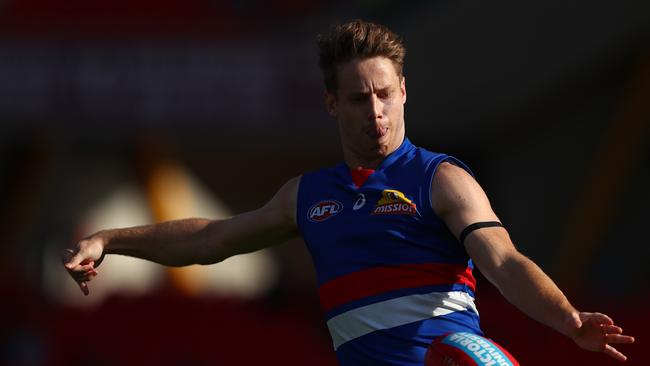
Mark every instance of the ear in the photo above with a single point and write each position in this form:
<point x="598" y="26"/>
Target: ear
<point x="330" y="104"/>
<point x="403" y="89"/>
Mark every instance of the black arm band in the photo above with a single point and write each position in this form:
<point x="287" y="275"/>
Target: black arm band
<point x="477" y="225"/>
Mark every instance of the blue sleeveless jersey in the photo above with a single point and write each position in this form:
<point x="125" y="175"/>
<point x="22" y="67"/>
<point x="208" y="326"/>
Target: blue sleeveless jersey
<point x="391" y="276"/>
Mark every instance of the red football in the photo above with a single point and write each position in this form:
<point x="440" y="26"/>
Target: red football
<point x="467" y="349"/>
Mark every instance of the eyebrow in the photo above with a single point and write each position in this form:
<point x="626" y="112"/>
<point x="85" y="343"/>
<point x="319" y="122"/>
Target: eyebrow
<point x="377" y="90"/>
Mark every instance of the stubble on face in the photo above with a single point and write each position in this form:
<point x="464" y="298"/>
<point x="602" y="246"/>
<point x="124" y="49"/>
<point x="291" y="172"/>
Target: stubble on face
<point x="369" y="107"/>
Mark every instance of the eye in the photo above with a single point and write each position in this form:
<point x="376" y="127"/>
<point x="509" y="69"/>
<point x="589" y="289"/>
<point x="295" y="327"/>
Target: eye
<point x="383" y="94"/>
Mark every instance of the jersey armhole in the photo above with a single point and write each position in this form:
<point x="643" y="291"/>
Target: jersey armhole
<point x="300" y="202"/>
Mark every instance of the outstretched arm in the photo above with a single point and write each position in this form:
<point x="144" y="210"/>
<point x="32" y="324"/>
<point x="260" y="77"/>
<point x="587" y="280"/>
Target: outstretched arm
<point x="459" y="201"/>
<point x="190" y="241"/>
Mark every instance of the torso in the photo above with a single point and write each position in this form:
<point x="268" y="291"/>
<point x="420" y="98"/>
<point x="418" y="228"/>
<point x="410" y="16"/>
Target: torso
<point x="391" y="276"/>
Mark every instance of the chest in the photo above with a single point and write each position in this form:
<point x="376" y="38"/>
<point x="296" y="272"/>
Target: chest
<point x="342" y="211"/>
<point x="383" y="222"/>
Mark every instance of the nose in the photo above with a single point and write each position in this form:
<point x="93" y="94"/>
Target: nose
<point x="374" y="108"/>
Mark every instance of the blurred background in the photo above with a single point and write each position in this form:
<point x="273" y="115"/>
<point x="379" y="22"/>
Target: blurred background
<point x="123" y="113"/>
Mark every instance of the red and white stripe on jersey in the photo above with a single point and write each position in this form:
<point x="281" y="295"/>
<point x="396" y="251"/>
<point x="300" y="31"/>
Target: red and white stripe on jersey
<point x="395" y="312"/>
<point x="374" y="281"/>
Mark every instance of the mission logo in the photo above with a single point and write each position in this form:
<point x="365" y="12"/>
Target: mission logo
<point x="393" y="202"/>
<point x="323" y="210"/>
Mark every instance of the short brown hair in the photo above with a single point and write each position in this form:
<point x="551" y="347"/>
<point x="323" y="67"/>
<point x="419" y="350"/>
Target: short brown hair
<point x="357" y="39"/>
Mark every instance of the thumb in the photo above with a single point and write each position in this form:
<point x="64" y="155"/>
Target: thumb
<point x="74" y="261"/>
<point x="574" y="325"/>
<point x="575" y="320"/>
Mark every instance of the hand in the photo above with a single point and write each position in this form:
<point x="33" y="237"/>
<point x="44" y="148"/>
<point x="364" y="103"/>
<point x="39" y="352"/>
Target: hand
<point x="82" y="261"/>
<point x="596" y="332"/>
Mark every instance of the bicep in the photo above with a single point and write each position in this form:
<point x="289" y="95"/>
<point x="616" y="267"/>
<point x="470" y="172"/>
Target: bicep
<point x="272" y="224"/>
<point x="460" y="201"/>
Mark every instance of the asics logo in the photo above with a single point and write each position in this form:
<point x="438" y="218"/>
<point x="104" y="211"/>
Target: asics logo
<point x="361" y="200"/>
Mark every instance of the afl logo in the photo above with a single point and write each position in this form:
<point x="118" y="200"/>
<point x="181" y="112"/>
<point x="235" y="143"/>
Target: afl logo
<point x="323" y="210"/>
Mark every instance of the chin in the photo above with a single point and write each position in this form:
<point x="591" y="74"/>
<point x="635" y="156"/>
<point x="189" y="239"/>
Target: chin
<point x="383" y="150"/>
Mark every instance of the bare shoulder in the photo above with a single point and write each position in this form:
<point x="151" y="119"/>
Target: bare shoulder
<point x="458" y="198"/>
<point x="285" y="200"/>
<point x="451" y="186"/>
<point x="448" y="172"/>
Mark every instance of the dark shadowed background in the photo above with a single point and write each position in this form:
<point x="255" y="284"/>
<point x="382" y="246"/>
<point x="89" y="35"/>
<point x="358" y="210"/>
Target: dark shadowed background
<point x="123" y="113"/>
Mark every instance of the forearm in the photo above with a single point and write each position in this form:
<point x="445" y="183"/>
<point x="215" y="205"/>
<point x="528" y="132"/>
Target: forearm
<point x="527" y="287"/>
<point x="172" y="243"/>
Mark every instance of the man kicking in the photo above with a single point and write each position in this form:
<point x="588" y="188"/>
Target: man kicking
<point x="394" y="230"/>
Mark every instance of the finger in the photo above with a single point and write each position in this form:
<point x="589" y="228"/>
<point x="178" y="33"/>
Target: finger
<point x="596" y="320"/>
<point x="603" y="319"/>
<point x="84" y="277"/>
<point x="84" y="288"/>
<point x="619" y="338"/>
<point x="91" y="274"/>
<point x="614" y="353"/>
<point x="74" y="261"/>
<point x="81" y="268"/>
<point x="81" y="274"/>
<point x="612" y="329"/>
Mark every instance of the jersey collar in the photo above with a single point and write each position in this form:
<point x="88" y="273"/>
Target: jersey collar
<point x="404" y="148"/>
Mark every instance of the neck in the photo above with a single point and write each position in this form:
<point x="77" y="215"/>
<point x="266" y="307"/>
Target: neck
<point x="355" y="160"/>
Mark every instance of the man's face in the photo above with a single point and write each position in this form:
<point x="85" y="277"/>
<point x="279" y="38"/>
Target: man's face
<point x="369" y="107"/>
